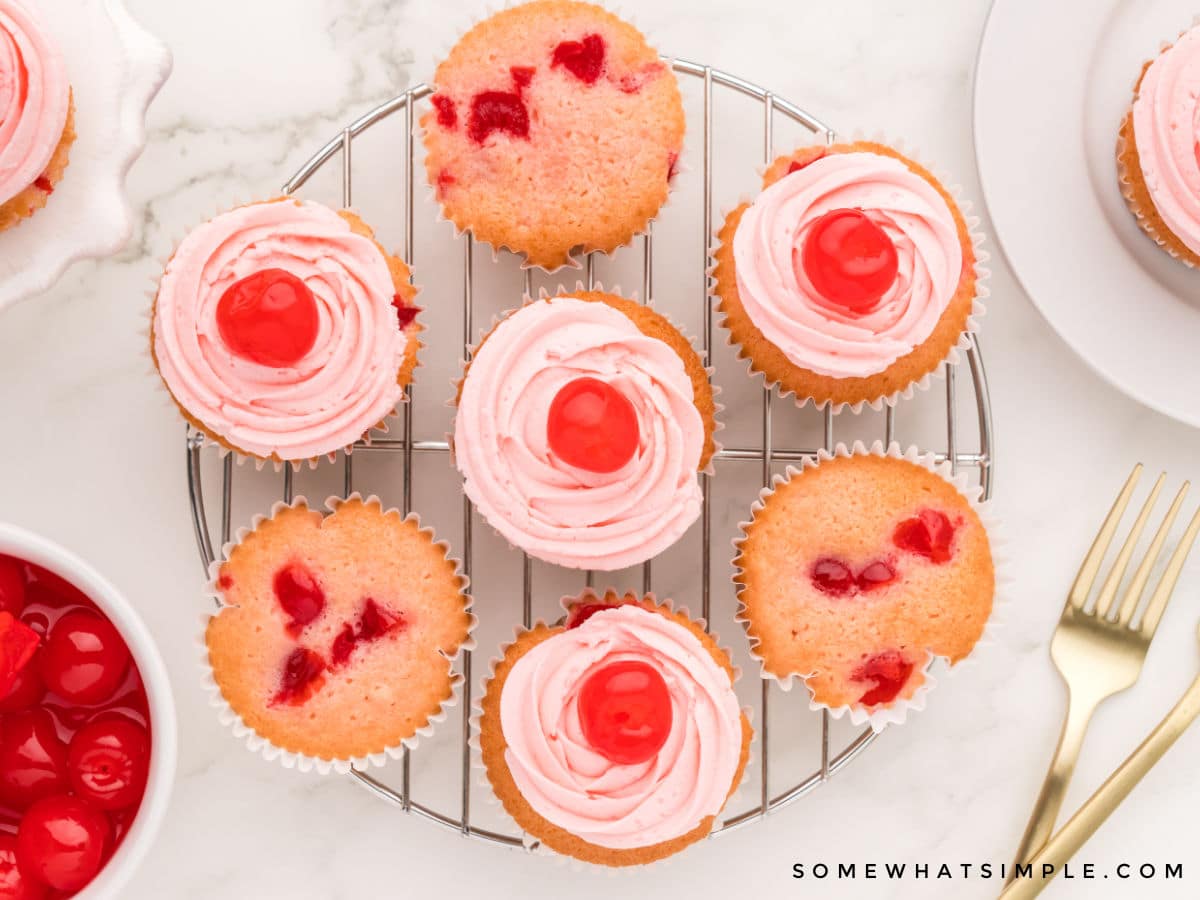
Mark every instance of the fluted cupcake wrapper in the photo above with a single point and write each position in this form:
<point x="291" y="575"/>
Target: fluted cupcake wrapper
<point x="896" y="712"/>
<point x="955" y="355"/>
<point x="530" y="842"/>
<point x="211" y="438"/>
<point x="292" y="759"/>
<point x="561" y="291"/>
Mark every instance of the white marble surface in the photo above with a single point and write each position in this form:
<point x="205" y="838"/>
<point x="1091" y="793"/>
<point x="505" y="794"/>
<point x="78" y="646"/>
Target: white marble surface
<point x="92" y="456"/>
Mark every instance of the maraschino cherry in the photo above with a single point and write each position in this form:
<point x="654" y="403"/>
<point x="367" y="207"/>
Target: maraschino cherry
<point x="269" y="318"/>
<point x="625" y="711"/>
<point x="889" y="670"/>
<point x="84" y="658"/>
<point x="592" y="426"/>
<point x="849" y="259"/>
<point x="108" y="760"/>
<point x="61" y="842"/>
<point x="15" y="884"/>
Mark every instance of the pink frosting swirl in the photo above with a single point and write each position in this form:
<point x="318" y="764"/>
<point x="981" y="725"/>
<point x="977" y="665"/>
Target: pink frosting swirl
<point x="341" y="388"/>
<point x="553" y="510"/>
<point x="781" y="302"/>
<point x="574" y="787"/>
<point x="1166" y="123"/>
<point x="34" y="99"/>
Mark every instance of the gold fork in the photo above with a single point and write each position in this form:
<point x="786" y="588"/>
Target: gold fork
<point x="1097" y="651"/>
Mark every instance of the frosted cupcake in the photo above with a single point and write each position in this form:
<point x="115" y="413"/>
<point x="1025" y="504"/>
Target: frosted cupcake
<point x="283" y="331"/>
<point x="336" y="633"/>
<point x="615" y="738"/>
<point x="554" y="125"/>
<point x="855" y="572"/>
<point x="849" y="278"/>
<point x="1156" y="150"/>
<point x="36" y="114"/>
<point x="583" y="421"/>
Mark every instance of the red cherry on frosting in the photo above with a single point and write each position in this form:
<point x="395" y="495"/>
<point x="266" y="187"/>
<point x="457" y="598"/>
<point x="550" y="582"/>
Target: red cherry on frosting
<point x="15" y="884"/>
<point x="889" y="670"/>
<point x="929" y="534"/>
<point x="84" y="658"/>
<point x="107" y="762"/>
<point x="625" y="711"/>
<point x="61" y="842"/>
<point x="592" y="426"/>
<point x="849" y="260"/>
<point x="269" y="318"/>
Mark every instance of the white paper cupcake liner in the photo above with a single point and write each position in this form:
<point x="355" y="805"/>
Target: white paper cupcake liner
<point x="530" y="842"/>
<point x="573" y="261"/>
<point x="292" y="759"/>
<point x="896" y="712"/>
<point x="952" y="358"/>
<point x="561" y="291"/>
<point x="208" y="435"/>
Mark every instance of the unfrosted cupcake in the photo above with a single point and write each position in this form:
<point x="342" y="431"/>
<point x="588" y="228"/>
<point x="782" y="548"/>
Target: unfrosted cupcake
<point x="615" y="738"/>
<point x="583" y="421"/>
<point x="284" y="331"/>
<point x="1156" y="150"/>
<point x="855" y="571"/>
<point x="849" y="278"/>
<point x="36" y="114"/>
<point x="554" y="125"/>
<point x="336" y="633"/>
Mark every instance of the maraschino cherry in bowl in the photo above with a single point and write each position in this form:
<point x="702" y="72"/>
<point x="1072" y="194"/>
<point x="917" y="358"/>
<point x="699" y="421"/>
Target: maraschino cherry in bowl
<point x="87" y="727"/>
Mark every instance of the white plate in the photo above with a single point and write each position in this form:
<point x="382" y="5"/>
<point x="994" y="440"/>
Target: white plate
<point x="115" y="68"/>
<point x="1052" y="83"/>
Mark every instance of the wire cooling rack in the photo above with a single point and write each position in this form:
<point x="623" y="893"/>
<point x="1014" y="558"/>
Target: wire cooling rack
<point x="398" y="787"/>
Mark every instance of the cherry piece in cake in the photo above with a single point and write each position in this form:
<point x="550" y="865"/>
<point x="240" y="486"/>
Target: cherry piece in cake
<point x="302" y="676"/>
<point x="625" y="711"/>
<point x="889" y="671"/>
<point x="849" y="259"/>
<point x="269" y="318"/>
<point x="299" y="595"/>
<point x="447" y="113"/>
<point x="930" y="534"/>
<point x="584" y="59"/>
<point x="503" y="111"/>
<point x="592" y="426"/>
<point x="376" y="622"/>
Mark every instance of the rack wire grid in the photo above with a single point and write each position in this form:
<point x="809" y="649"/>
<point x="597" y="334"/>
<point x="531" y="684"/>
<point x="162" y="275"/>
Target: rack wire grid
<point x="979" y="461"/>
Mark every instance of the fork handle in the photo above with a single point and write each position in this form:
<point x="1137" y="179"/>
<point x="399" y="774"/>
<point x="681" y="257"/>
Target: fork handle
<point x="1096" y="810"/>
<point x="1058" y="776"/>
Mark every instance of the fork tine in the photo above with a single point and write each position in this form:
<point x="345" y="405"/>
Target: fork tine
<point x="1137" y="586"/>
<point x="1162" y="593"/>
<point x="1121" y="563"/>
<point x="1091" y="563"/>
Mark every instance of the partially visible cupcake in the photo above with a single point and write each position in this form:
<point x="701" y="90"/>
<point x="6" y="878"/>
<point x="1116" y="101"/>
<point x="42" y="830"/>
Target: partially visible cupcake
<point x="336" y="634"/>
<point x="284" y="331"/>
<point x="1156" y="150"/>
<point x="36" y="114"/>
<point x="583" y="421"/>
<point x="554" y="125"/>
<point x="616" y="737"/>
<point x="854" y="572"/>
<point x="849" y="278"/>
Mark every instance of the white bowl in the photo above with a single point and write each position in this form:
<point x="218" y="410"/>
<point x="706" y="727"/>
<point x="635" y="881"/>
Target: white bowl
<point x="30" y="547"/>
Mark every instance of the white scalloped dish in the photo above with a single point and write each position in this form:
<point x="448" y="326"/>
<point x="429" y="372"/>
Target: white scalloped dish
<point x="116" y="68"/>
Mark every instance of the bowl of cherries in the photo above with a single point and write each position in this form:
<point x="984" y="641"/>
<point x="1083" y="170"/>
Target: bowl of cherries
<point x="87" y="727"/>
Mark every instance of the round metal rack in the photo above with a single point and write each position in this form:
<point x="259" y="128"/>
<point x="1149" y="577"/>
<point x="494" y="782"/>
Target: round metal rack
<point x="395" y="784"/>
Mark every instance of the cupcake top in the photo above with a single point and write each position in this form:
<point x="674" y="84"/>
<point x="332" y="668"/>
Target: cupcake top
<point x="554" y="125"/>
<point x="336" y="633"/>
<point x="34" y="99"/>
<point x="279" y="327"/>
<point x="579" y="435"/>
<point x="623" y="730"/>
<point x="847" y="262"/>
<point x="1166" y="132"/>
<point x="855" y="571"/>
